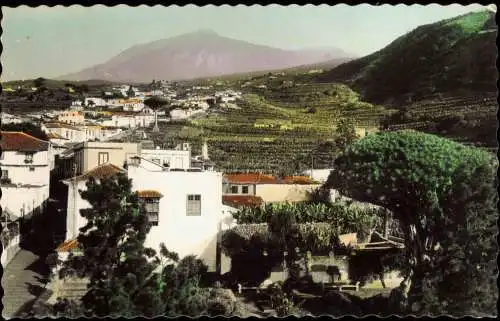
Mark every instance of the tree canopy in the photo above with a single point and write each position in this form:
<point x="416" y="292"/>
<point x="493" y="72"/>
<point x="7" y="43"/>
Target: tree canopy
<point x="422" y="179"/>
<point x="345" y="133"/>
<point x="119" y="267"/>
<point x="155" y="102"/>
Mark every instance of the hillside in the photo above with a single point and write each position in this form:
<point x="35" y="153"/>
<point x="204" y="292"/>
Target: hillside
<point x="451" y="57"/>
<point x="196" y="55"/>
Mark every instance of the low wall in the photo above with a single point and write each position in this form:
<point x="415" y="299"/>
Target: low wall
<point x="69" y="288"/>
<point x="10" y="250"/>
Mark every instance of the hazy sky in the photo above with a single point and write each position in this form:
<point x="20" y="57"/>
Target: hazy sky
<point x="50" y="42"/>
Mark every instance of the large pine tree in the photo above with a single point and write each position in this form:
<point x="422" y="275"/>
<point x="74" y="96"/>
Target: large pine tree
<point x="121" y="270"/>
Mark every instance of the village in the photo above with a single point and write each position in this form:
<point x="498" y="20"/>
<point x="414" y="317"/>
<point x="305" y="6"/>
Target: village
<point x="98" y="138"/>
<point x="154" y="168"/>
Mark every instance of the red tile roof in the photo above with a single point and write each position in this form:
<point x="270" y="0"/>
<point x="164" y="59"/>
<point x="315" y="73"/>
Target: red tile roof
<point x="242" y="200"/>
<point x="19" y="141"/>
<point x="149" y="194"/>
<point x="99" y="172"/>
<point x="67" y="246"/>
<point x="258" y="178"/>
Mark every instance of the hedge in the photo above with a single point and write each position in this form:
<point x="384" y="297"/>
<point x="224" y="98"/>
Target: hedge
<point x="314" y="237"/>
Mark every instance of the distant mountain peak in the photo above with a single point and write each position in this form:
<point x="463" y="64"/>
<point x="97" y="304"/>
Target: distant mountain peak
<point x="201" y="53"/>
<point x="202" y="32"/>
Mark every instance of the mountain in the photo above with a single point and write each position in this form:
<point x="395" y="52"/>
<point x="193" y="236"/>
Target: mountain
<point x="455" y="56"/>
<point x="196" y="55"/>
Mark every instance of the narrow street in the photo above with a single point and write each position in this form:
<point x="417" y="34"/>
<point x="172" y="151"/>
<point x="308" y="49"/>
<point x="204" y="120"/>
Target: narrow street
<point x="23" y="281"/>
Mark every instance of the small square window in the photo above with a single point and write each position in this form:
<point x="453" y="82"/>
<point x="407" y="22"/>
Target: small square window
<point x="234" y="189"/>
<point x="32" y="169"/>
<point x="244" y="190"/>
<point x="29" y="158"/>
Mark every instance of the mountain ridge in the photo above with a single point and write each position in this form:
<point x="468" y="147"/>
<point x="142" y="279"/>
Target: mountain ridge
<point x="195" y="55"/>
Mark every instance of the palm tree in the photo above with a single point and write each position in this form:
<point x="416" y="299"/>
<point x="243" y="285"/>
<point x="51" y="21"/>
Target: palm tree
<point x="155" y="103"/>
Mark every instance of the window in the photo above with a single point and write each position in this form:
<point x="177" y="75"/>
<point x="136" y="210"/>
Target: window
<point x="5" y="174"/>
<point x="103" y="158"/>
<point x="32" y="169"/>
<point x="193" y="205"/>
<point x="234" y="189"/>
<point x="244" y="189"/>
<point x="152" y="209"/>
<point x="1" y="155"/>
<point x="28" y="158"/>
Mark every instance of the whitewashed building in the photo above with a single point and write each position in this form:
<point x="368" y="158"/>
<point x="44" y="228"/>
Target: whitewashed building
<point x="69" y="132"/>
<point x="71" y="117"/>
<point x="129" y="120"/>
<point x="95" y="102"/>
<point x="186" y="208"/>
<point x="74" y="221"/>
<point x="26" y="163"/>
<point x="175" y="159"/>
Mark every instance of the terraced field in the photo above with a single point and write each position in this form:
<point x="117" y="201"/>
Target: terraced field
<point x="271" y="135"/>
<point x="471" y="119"/>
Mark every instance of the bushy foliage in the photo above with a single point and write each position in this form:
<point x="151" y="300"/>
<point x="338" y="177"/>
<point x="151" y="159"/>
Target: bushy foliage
<point x="343" y="218"/>
<point x="443" y="194"/>
<point x="28" y="128"/>
<point x="281" y="301"/>
<point x="345" y="133"/>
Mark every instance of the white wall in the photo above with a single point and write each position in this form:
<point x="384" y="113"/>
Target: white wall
<point x="19" y="171"/>
<point x="176" y="158"/>
<point x="184" y="234"/>
<point x="22" y="200"/>
<point x="130" y="121"/>
<point x="319" y="175"/>
<point x="74" y="221"/>
<point x="284" y="192"/>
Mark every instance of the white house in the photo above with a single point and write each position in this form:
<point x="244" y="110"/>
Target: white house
<point x="11" y="119"/>
<point x="319" y="175"/>
<point x="185" y="208"/>
<point x="268" y="188"/>
<point x="174" y="158"/>
<point x="71" y="117"/>
<point x="179" y="113"/>
<point x="95" y="102"/>
<point x="26" y="163"/>
<point x="69" y="132"/>
<point x="132" y="104"/>
<point x="74" y="221"/>
<point x="129" y="120"/>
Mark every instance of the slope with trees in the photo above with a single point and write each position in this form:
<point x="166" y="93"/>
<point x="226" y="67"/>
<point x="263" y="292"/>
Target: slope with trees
<point x="451" y="56"/>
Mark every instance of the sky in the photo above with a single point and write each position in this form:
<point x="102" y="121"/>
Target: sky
<point x="50" y="42"/>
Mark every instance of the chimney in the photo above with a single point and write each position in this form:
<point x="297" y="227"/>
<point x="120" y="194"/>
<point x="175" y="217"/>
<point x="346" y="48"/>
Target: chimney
<point x="204" y="151"/>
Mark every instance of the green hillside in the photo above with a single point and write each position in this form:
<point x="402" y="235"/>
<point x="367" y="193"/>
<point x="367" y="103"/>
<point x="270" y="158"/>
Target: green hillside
<point x="450" y="57"/>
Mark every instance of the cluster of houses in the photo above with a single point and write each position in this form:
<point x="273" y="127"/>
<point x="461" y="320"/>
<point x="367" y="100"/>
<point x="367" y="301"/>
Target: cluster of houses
<point x="189" y="202"/>
<point x="183" y="106"/>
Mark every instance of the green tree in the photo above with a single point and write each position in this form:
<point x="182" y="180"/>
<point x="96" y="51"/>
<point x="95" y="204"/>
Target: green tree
<point x="443" y="194"/>
<point x="121" y="270"/>
<point x="28" y="128"/>
<point x="345" y="133"/>
<point x="40" y="82"/>
<point x="155" y="103"/>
